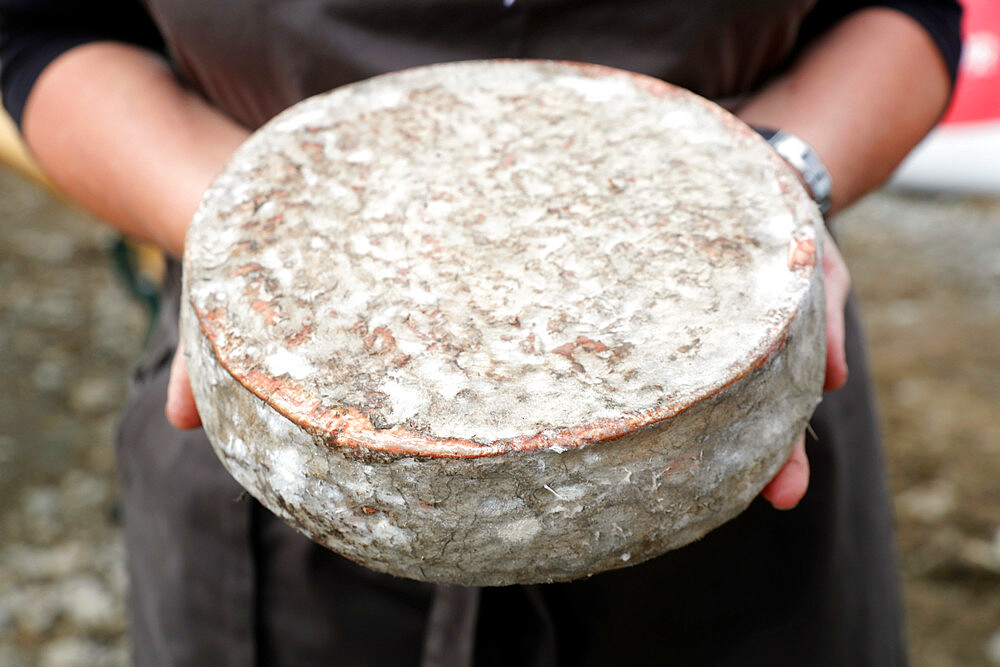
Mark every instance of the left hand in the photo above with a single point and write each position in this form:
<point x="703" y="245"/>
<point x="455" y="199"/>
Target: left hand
<point x="789" y="485"/>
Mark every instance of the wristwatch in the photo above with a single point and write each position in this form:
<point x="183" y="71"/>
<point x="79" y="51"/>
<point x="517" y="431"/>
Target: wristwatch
<point x="801" y="155"/>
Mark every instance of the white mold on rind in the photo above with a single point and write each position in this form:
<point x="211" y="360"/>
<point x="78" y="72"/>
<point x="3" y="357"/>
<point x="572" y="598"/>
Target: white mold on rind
<point x="511" y="363"/>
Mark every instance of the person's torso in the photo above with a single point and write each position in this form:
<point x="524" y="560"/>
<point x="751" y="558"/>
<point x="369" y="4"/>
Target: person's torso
<point x="256" y="58"/>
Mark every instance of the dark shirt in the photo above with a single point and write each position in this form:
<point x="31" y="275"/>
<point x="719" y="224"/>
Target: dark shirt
<point x="35" y="32"/>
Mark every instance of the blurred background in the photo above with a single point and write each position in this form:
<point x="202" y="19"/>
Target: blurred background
<point x="925" y="263"/>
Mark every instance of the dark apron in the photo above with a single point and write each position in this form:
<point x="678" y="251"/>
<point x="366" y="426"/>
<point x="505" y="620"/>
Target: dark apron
<point x="217" y="579"/>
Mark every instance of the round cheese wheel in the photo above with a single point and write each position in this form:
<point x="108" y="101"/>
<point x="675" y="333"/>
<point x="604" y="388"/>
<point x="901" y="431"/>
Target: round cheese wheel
<point x="503" y="322"/>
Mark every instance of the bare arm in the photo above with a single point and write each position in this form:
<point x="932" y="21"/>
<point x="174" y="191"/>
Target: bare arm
<point x="116" y="131"/>
<point x="862" y="96"/>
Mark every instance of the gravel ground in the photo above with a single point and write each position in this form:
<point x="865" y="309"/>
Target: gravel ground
<point x="928" y="273"/>
<point x="68" y="333"/>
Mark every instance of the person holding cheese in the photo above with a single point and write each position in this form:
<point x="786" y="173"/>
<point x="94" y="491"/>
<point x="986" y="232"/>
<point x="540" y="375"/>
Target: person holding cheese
<point x="133" y="108"/>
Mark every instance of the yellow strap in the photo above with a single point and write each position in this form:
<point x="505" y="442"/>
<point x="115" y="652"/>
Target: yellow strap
<point x="13" y="152"/>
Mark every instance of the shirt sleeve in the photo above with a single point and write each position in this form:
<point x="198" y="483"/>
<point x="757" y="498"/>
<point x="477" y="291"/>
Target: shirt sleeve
<point x="35" y="32"/>
<point x="940" y="18"/>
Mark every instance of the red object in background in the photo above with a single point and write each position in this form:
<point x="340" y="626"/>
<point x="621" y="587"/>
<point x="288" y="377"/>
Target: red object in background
<point x="977" y="92"/>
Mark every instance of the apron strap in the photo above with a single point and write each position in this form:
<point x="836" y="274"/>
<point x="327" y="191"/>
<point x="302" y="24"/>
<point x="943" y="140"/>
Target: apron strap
<point x="451" y="628"/>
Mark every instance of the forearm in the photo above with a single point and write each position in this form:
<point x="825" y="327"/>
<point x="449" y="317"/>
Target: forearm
<point x="118" y="133"/>
<point x="862" y="96"/>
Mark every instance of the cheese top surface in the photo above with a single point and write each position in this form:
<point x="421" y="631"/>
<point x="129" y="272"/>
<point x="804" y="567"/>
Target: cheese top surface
<point x="486" y="256"/>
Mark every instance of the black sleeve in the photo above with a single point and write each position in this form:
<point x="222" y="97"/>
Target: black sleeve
<point x="940" y="18"/>
<point x="34" y="32"/>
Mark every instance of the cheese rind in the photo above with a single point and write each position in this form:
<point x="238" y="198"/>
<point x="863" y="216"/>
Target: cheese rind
<point x="516" y="299"/>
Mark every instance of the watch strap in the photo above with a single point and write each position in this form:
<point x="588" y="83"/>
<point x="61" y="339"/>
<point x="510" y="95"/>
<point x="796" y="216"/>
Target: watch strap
<point x="806" y="162"/>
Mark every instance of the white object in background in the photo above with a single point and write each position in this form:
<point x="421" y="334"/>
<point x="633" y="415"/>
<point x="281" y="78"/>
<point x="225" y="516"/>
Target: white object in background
<point x="963" y="152"/>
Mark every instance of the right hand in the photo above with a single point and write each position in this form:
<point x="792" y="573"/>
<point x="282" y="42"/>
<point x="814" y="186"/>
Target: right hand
<point x="181" y="410"/>
<point x="789" y="486"/>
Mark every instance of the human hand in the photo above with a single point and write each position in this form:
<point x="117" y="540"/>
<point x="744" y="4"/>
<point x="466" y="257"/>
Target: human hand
<point x="789" y="485"/>
<point x="181" y="410"/>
